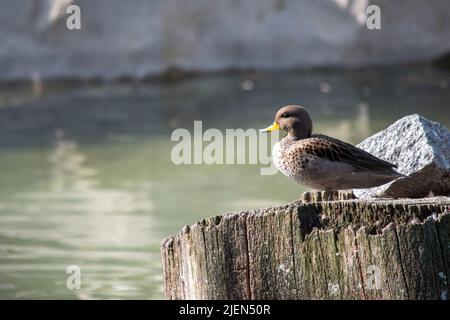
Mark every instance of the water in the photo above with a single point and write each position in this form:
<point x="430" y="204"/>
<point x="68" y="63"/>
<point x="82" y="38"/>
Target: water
<point x="86" y="177"/>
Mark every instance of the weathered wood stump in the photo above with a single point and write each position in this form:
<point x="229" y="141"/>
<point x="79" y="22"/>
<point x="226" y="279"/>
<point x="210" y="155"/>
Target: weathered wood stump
<point x="347" y="249"/>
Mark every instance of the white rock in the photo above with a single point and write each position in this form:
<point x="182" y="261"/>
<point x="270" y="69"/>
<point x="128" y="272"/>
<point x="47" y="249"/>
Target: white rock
<point x="421" y="150"/>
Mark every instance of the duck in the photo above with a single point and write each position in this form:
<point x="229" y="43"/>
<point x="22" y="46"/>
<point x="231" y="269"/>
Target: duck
<point x="321" y="162"/>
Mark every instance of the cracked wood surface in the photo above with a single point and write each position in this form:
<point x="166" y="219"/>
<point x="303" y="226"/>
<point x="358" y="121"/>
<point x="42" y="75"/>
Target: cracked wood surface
<point x="348" y="249"/>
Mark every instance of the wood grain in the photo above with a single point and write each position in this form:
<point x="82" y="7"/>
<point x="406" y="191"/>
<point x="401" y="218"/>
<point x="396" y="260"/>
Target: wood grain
<point x="344" y="249"/>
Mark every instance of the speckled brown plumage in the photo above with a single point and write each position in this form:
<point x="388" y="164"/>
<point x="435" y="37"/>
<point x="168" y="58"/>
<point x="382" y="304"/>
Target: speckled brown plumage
<point x="322" y="162"/>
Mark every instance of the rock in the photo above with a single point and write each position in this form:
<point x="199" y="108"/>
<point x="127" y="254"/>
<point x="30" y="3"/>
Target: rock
<point x="421" y="150"/>
<point x="119" y="39"/>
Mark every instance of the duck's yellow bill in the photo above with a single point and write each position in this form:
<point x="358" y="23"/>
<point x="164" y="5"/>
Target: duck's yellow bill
<point x="273" y="127"/>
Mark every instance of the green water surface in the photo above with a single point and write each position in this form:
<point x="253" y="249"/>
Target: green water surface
<point x="86" y="176"/>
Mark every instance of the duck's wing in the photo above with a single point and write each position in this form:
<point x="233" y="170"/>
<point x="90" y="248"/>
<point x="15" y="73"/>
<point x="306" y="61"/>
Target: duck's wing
<point x="336" y="150"/>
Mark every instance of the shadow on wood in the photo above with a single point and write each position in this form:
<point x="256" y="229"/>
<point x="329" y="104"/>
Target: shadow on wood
<point x="347" y="249"/>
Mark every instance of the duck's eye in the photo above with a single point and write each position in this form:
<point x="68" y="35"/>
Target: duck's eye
<point x="285" y="115"/>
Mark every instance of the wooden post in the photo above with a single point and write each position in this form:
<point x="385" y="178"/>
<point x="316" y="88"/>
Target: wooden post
<point x="347" y="249"/>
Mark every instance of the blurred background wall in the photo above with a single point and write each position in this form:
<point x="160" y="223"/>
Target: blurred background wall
<point x="143" y="38"/>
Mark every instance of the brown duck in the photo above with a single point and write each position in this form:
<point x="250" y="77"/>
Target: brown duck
<point x="321" y="162"/>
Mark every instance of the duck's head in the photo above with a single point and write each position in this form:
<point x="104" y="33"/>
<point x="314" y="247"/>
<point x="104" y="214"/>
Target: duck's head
<point x="293" y="119"/>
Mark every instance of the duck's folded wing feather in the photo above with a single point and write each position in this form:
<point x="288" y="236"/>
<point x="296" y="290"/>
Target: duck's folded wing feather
<point x="336" y="150"/>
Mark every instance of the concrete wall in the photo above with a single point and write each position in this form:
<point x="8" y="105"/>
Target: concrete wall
<point x="139" y="38"/>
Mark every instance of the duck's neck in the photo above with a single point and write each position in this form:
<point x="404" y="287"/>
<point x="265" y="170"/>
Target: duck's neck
<point x="298" y="134"/>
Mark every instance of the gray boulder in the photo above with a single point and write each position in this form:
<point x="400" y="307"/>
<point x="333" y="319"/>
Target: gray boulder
<point x="421" y="150"/>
